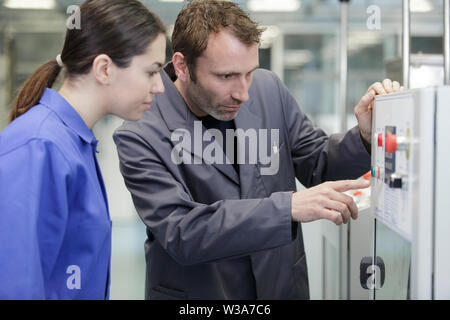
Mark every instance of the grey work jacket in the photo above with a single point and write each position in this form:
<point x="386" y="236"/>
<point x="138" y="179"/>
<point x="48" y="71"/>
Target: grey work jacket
<point x="214" y="234"/>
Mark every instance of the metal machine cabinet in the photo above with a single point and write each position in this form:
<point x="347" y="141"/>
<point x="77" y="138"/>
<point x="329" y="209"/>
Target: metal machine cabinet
<point x="408" y="195"/>
<point x="425" y="69"/>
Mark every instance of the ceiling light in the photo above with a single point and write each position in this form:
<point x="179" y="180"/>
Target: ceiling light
<point x="273" y="6"/>
<point x="30" y="4"/>
<point x="268" y="36"/>
<point x="420" y="6"/>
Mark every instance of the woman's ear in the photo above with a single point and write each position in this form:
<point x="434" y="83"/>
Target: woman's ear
<point x="180" y="66"/>
<point x="103" y="69"/>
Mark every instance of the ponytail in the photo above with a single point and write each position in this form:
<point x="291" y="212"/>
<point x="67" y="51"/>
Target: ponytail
<point x="33" y="89"/>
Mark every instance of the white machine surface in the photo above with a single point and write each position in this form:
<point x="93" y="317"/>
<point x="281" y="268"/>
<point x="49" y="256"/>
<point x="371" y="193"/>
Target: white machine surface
<point x="410" y="185"/>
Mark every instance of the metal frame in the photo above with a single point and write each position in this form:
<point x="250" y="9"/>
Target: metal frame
<point x="422" y="244"/>
<point x="446" y="44"/>
<point x="441" y="239"/>
<point x="344" y="237"/>
<point x="406" y="27"/>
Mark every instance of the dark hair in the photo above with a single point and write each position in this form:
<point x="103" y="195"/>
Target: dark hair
<point x="120" y="29"/>
<point x="200" y="18"/>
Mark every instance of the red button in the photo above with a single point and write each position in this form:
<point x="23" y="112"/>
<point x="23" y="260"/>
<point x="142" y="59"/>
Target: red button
<point x="367" y="175"/>
<point x="380" y="139"/>
<point x="391" y="143"/>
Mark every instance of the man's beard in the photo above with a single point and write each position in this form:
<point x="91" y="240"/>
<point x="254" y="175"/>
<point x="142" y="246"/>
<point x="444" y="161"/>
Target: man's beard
<point x="201" y="98"/>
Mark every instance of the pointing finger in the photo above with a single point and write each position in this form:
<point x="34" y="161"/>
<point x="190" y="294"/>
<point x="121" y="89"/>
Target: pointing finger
<point x="345" y="185"/>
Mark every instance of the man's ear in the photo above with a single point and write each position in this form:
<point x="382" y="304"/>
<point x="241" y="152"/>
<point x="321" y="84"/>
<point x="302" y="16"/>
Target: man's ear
<point x="180" y="66"/>
<point x="103" y="69"/>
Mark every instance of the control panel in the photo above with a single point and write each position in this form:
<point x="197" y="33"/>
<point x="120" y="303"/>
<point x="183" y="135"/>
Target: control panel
<point x="403" y="174"/>
<point x="393" y="166"/>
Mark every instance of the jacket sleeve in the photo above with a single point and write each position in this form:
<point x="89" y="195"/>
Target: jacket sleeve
<point x="317" y="157"/>
<point x="33" y="214"/>
<point x="191" y="232"/>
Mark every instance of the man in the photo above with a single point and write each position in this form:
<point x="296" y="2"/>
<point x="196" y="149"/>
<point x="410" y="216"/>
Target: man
<point x="220" y="224"/>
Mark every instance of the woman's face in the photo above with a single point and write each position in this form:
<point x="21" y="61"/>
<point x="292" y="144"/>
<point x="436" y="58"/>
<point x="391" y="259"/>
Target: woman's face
<point x="132" y="89"/>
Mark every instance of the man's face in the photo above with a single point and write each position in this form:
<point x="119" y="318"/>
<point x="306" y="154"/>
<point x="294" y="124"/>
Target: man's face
<point x="223" y="74"/>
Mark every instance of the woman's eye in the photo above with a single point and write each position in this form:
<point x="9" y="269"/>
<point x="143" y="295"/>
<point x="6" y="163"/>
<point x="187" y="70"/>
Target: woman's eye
<point x="153" y="73"/>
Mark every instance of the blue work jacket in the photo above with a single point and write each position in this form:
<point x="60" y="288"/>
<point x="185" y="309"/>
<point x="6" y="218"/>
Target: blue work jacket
<point x="55" y="229"/>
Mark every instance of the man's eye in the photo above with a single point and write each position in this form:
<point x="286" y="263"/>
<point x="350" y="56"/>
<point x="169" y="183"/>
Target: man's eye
<point x="226" y="76"/>
<point x="153" y="73"/>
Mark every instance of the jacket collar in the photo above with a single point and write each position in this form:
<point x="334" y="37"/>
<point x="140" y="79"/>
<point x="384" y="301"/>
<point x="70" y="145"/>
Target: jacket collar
<point x="54" y="101"/>
<point x="174" y="109"/>
<point x="177" y="115"/>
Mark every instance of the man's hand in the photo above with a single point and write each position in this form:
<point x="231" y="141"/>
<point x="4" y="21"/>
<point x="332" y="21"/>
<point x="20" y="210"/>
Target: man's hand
<point x="327" y="201"/>
<point x="363" y="109"/>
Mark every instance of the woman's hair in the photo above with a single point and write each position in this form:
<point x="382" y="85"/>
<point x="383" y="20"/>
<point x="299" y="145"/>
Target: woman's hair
<point x="120" y="29"/>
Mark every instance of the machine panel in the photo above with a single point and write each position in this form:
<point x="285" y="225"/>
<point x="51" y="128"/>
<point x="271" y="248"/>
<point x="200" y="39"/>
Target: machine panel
<point x="392" y="164"/>
<point x="402" y="170"/>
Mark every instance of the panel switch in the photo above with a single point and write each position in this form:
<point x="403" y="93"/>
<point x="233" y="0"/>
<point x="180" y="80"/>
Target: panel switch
<point x="394" y="143"/>
<point x="380" y="140"/>
<point x="395" y="181"/>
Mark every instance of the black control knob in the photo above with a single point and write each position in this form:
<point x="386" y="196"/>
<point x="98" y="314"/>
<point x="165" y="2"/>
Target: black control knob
<point x="394" y="181"/>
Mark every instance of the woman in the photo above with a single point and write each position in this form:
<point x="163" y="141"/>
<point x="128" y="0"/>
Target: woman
<point x="55" y="230"/>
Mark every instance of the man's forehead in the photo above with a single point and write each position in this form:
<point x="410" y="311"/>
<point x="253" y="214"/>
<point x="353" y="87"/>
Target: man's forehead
<point x="217" y="40"/>
<point x="219" y="66"/>
<point x="226" y="53"/>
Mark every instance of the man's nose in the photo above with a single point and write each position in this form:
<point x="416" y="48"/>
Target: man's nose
<point x="240" y="91"/>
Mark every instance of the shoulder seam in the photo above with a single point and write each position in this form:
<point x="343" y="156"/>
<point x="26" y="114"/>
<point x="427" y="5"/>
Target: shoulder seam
<point x="39" y="139"/>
